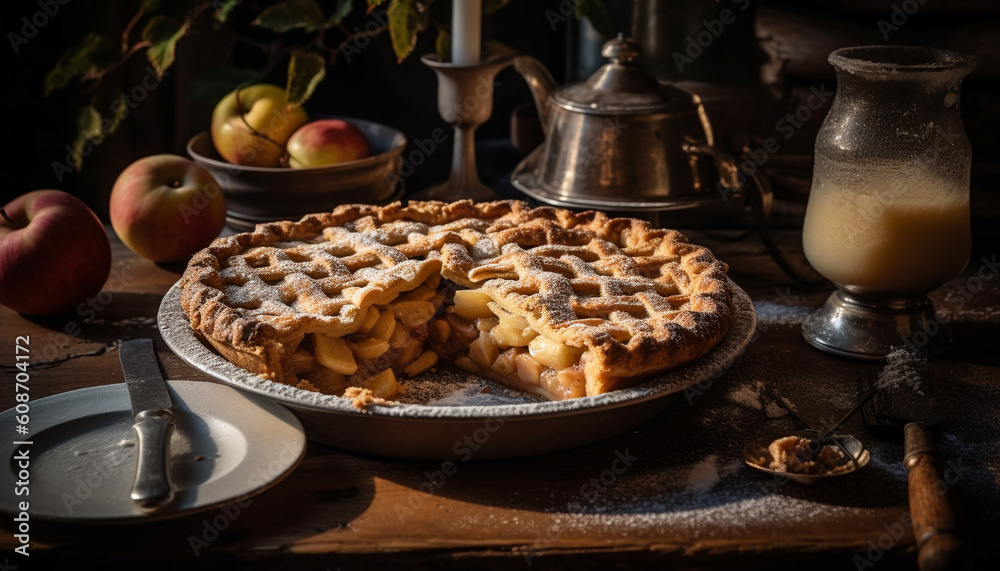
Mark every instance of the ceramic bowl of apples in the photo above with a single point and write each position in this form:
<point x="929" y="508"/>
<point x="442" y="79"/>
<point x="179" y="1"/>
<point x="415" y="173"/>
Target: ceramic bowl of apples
<point x="274" y="162"/>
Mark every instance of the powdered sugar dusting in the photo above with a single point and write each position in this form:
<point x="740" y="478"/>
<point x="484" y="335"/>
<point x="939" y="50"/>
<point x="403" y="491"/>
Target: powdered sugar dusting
<point x="735" y="516"/>
<point x="453" y="387"/>
<point x="751" y="396"/>
<point x="717" y="492"/>
<point x="703" y="475"/>
<point x="904" y="370"/>
<point x="769" y="313"/>
<point x="774" y="410"/>
<point x="176" y="330"/>
<point x="747" y="395"/>
<point x="695" y="488"/>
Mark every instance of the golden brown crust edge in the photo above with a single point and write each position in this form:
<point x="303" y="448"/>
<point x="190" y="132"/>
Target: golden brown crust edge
<point x="611" y="365"/>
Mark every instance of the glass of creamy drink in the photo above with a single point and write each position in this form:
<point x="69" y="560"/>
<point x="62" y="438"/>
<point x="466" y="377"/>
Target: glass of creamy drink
<point x="888" y="213"/>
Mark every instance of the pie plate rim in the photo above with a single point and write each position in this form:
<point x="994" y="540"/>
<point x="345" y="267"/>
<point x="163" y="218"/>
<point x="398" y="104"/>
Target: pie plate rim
<point x="176" y="331"/>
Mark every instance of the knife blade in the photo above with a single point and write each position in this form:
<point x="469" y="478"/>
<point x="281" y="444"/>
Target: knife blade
<point x="907" y="401"/>
<point x="147" y="393"/>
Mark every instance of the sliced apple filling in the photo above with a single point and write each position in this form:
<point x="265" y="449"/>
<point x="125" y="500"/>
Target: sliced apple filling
<point x="411" y="334"/>
<point x="389" y="343"/>
<point x="503" y="346"/>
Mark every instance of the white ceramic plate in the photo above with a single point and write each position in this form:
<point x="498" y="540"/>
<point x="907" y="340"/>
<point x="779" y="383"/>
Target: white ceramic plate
<point x="227" y="445"/>
<point x="450" y="413"/>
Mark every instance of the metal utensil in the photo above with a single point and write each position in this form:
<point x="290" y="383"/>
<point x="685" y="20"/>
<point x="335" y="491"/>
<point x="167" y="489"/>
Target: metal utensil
<point x="866" y="397"/>
<point x="153" y="423"/>
<point x="852" y="448"/>
<point x="757" y="449"/>
<point x="936" y="525"/>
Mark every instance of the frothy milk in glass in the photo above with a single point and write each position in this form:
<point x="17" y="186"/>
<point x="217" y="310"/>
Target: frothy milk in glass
<point x="895" y="228"/>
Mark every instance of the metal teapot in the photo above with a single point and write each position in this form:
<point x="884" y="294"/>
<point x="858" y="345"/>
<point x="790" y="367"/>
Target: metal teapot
<point x="621" y="140"/>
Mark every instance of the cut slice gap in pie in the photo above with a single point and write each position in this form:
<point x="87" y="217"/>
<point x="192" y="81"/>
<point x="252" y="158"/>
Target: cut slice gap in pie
<point x="428" y="325"/>
<point x="546" y="301"/>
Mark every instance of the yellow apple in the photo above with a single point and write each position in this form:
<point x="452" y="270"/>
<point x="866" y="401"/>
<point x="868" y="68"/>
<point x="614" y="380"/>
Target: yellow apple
<point x="165" y="208"/>
<point x="251" y="125"/>
<point x="326" y="142"/>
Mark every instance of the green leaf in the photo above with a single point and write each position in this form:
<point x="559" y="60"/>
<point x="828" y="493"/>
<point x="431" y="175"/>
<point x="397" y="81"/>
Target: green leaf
<point x="443" y="46"/>
<point x="121" y="112"/>
<point x="291" y="14"/>
<point x="88" y="124"/>
<point x="490" y="6"/>
<point x="163" y="32"/>
<point x="340" y="11"/>
<point x="305" y="71"/>
<point x="405" y="20"/>
<point x="597" y="13"/>
<point x="95" y="51"/>
<point x="151" y="6"/>
<point x="224" y="9"/>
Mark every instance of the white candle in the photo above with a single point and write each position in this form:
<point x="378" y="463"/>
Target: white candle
<point x="466" y="32"/>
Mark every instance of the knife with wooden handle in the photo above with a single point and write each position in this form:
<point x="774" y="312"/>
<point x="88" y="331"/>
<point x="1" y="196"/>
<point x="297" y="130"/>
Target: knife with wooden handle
<point x="153" y="426"/>
<point x="907" y="401"/>
<point x="935" y="521"/>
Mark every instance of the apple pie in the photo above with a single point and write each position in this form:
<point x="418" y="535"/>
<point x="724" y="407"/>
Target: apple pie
<point x="551" y="302"/>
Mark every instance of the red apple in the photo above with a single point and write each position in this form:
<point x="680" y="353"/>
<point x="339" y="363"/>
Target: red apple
<point x="326" y="142"/>
<point x="251" y="125"/>
<point x="165" y="208"/>
<point x="54" y="253"/>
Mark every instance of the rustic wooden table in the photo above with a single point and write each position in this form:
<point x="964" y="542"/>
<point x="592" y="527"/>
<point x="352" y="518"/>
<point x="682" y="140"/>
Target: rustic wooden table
<point x="672" y="492"/>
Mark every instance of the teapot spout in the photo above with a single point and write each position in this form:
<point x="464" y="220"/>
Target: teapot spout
<point x="540" y="82"/>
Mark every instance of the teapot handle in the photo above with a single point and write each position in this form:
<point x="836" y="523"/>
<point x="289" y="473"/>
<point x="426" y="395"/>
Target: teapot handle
<point x="729" y="173"/>
<point x="761" y="202"/>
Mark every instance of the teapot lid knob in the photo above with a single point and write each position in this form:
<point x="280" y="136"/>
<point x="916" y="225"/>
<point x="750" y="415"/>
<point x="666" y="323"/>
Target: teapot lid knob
<point x="621" y="50"/>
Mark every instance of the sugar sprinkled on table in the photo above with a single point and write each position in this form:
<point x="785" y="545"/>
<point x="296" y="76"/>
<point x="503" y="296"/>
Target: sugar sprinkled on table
<point x="905" y="369"/>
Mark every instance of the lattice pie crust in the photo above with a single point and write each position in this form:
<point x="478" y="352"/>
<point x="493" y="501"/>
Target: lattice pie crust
<point x="556" y="303"/>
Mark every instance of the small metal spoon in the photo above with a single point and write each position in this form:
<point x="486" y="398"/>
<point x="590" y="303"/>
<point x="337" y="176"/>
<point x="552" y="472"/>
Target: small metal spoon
<point x="852" y="447"/>
<point x="757" y="449"/>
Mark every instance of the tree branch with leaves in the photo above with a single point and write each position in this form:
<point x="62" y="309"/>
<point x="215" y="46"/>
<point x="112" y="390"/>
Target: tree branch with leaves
<point x="323" y="38"/>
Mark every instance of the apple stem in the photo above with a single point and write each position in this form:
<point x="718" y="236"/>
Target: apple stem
<point x="243" y="117"/>
<point x="7" y="218"/>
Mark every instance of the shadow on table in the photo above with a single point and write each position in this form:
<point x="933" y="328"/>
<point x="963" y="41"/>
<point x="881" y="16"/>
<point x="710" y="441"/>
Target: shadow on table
<point x="975" y="344"/>
<point x="673" y="464"/>
<point x="322" y="493"/>
<point x="107" y="317"/>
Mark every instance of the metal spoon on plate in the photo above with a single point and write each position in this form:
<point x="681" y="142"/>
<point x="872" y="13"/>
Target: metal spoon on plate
<point x="757" y="454"/>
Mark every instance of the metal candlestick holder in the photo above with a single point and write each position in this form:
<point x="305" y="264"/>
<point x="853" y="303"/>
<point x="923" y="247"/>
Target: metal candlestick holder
<point x="465" y="101"/>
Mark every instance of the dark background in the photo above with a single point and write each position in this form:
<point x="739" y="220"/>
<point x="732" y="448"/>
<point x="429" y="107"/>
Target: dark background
<point x="372" y="85"/>
<point x="752" y="84"/>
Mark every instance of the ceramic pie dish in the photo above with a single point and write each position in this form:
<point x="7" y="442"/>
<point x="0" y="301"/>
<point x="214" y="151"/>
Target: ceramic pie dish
<point x="452" y="414"/>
